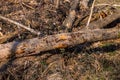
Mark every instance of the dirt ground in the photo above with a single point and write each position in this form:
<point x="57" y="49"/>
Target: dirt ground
<point x="89" y="61"/>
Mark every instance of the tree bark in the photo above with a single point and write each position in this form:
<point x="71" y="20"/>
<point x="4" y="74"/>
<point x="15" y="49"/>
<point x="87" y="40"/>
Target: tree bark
<point x="105" y="21"/>
<point x="63" y="40"/>
<point x="68" y="22"/>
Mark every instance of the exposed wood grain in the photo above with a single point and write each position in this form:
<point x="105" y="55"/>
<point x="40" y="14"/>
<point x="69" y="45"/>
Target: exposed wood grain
<point x="56" y="41"/>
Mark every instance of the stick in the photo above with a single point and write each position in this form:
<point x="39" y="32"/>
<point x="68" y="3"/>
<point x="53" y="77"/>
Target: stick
<point x="51" y="42"/>
<point x="68" y="22"/>
<point x="20" y="25"/>
<point x="91" y="12"/>
<point x="105" y="21"/>
<point x="105" y="4"/>
<point x="8" y="36"/>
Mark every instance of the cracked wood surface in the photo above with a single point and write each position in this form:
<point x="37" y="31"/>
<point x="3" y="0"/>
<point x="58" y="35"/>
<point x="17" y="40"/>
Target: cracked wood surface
<point x="51" y="42"/>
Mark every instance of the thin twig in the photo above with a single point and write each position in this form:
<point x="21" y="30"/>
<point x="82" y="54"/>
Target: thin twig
<point x="105" y="4"/>
<point x="20" y="25"/>
<point x="90" y="14"/>
<point x="57" y="3"/>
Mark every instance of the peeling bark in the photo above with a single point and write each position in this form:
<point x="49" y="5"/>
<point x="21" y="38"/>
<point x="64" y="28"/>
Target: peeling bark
<point x="63" y="40"/>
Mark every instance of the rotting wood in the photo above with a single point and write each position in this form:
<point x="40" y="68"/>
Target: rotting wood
<point x="105" y="21"/>
<point x="8" y="36"/>
<point x="99" y="24"/>
<point x="68" y="22"/>
<point x="51" y="42"/>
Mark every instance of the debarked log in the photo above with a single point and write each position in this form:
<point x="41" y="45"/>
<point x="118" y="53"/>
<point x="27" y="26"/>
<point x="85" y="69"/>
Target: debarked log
<point x="62" y="40"/>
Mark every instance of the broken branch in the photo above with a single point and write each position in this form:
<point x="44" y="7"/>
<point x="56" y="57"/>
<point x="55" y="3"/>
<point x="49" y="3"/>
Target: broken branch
<point x="105" y="21"/>
<point x="20" y="25"/>
<point x="68" y="22"/>
<point x="51" y="42"/>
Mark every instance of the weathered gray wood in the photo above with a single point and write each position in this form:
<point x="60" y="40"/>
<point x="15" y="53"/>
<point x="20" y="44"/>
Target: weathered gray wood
<point x="56" y="41"/>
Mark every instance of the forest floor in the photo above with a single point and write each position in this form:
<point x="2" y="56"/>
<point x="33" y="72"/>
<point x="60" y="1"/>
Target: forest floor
<point x="89" y="61"/>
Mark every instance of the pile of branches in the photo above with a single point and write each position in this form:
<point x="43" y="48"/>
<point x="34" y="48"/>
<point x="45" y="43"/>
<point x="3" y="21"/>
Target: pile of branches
<point x="92" y="32"/>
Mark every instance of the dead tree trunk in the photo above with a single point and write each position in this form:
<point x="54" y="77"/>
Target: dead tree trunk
<point x="63" y="40"/>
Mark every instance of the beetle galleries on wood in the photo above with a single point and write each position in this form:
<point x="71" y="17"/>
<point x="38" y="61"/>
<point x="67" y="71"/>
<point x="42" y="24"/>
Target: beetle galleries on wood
<point x="51" y="42"/>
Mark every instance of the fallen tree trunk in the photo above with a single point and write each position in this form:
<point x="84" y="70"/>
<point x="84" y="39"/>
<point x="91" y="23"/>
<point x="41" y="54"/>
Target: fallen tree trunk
<point x="63" y="40"/>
